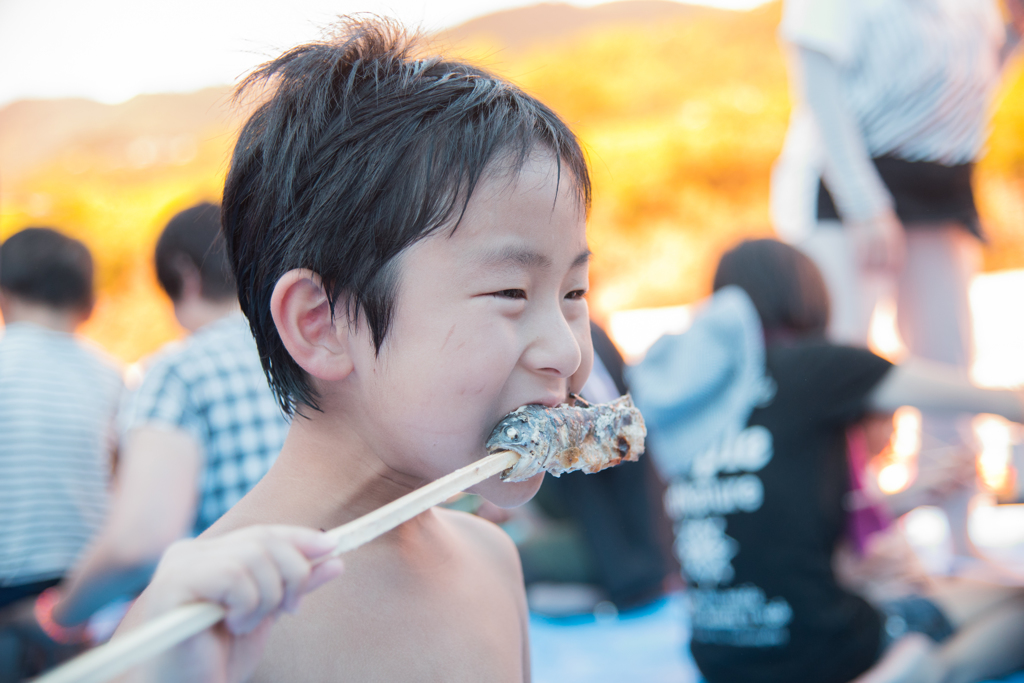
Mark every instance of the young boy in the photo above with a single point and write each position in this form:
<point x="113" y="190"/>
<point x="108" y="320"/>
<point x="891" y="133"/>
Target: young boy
<point x="408" y="239"/>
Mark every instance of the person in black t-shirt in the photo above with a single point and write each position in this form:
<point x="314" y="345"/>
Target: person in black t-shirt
<point x="747" y="414"/>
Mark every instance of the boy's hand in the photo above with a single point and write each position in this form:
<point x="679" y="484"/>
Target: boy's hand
<point x="255" y="574"/>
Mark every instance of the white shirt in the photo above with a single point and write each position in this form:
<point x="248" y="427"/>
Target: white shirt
<point x="918" y="75"/>
<point x="58" y="401"/>
<point x="909" y="78"/>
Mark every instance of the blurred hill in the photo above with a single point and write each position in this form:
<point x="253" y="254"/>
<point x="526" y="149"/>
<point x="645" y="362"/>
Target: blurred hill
<point x="112" y="176"/>
<point x="33" y="132"/>
<point x="511" y="32"/>
<point x="682" y="110"/>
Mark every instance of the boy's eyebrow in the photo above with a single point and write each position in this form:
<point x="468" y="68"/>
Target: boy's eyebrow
<point x="527" y="258"/>
<point x="517" y="256"/>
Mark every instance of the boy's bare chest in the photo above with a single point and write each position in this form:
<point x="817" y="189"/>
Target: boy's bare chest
<point x="465" y="626"/>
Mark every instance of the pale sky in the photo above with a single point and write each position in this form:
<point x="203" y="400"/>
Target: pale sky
<point x="112" y="50"/>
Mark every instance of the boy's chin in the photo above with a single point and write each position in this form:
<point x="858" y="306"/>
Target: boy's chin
<point x="508" y="495"/>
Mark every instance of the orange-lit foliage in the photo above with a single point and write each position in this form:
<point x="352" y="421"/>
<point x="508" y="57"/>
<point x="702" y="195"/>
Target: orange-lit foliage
<point x="682" y="120"/>
<point x="115" y="191"/>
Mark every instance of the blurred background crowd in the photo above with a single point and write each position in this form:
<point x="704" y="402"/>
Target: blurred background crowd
<point x="705" y="126"/>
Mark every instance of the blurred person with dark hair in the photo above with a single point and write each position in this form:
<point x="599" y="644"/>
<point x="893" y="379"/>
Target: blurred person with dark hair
<point x="199" y="432"/>
<point x="748" y="415"/>
<point x="58" y="400"/>
<point x="192" y="268"/>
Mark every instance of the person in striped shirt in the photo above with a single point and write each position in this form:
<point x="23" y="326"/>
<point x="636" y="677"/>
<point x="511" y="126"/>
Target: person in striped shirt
<point x="893" y="102"/>
<point x="58" y="401"/>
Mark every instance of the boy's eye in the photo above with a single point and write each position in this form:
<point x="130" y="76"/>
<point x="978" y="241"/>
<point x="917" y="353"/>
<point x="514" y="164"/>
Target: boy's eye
<point x="576" y="294"/>
<point x="511" y="294"/>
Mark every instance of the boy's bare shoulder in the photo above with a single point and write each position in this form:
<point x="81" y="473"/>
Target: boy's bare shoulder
<point x="446" y="603"/>
<point x="486" y="537"/>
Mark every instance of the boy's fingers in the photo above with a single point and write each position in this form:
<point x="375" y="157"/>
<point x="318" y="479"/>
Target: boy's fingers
<point x="241" y="599"/>
<point x="324" y="572"/>
<point x="192" y="570"/>
<point x="310" y="542"/>
<point x="294" y="568"/>
<point x="253" y="572"/>
<point x="266" y="573"/>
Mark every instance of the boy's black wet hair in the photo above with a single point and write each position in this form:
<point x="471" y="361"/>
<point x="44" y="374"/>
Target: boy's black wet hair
<point x="193" y="238"/>
<point x="43" y="266"/>
<point x="364" y="147"/>
<point x="786" y="287"/>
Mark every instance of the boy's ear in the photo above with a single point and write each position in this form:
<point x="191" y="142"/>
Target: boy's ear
<point x="304" y="322"/>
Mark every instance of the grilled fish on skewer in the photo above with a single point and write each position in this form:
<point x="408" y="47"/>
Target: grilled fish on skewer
<point x="573" y="436"/>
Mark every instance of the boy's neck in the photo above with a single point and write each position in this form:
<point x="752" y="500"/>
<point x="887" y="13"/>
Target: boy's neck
<point x="16" y="310"/>
<point x="341" y="478"/>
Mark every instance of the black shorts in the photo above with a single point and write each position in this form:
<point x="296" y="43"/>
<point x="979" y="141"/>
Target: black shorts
<point x="12" y="594"/>
<point x="924" y="192"/>
<point x="912" y="614"/>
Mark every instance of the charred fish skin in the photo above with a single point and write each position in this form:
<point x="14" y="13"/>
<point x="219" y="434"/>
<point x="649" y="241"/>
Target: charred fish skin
<point x="570" y="437"/>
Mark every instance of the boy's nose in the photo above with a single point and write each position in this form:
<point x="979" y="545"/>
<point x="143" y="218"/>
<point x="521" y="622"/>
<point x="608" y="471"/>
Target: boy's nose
<point x="555" y="349"/>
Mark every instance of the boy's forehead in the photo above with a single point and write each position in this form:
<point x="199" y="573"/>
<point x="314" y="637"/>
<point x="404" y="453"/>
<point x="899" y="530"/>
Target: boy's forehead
<point x="540" y="187"/>
<point x="541" y="170"/>
<point x="516" y="238"/>
<point x="530" y="217"/>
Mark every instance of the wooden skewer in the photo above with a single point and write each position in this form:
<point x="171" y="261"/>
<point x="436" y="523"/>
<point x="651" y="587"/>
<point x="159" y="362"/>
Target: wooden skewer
<point x="150" y="639"/>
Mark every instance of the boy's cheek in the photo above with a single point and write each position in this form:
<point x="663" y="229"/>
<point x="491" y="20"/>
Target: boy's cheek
<point x="579" y="378"/>
<point x="479" y="378"/>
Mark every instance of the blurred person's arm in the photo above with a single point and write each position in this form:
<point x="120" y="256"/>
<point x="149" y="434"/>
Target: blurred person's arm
<point x="941" y="471"/>
<point x="861" y="197"/>
<point x="935" y="482"/>
<point x="937" y="387"/>
<point x="153" y="505"/>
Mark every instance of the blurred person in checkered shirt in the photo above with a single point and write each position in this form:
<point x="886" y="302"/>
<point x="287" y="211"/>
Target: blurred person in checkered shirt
<point x="201" y="429"/>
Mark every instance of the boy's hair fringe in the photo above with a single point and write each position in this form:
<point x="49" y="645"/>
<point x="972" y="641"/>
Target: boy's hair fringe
<point x="363" y="147"/>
